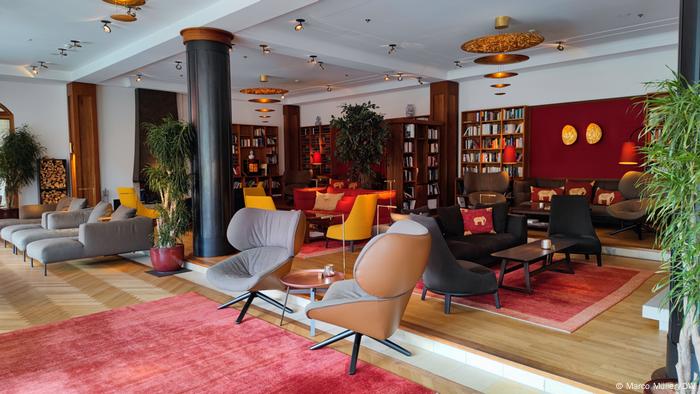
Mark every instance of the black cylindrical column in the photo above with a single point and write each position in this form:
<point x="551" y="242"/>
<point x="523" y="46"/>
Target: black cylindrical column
<point x="209" y="89"/>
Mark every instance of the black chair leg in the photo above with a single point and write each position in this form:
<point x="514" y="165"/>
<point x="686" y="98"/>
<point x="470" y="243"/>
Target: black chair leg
<point x="423" y="293"/>
<point x="24" y="256"/>
<point x="235" y="300"/>
<point x="355" y="352"/>
<point x="273" y="302"/>
<point x="448" y="303"/>
<point x="497" y="300"/>
<point x="394" y="346"/>
<point x="352" y="246"/>
<point x="333" y="339"/>
<point x="245" y="307"/>
<point x="45" y="269"/>
<point x="599" y="259"/>
<point x="31" y="262"/>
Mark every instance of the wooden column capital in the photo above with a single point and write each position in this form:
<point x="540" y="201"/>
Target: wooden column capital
<point x="206" y="34"/>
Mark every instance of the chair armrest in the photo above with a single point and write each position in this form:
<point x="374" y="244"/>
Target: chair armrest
<point x="517" y="225"/>
<point x="116" y="236"/>
<point x="35" y="211"/>
<point x="70" y="219"/>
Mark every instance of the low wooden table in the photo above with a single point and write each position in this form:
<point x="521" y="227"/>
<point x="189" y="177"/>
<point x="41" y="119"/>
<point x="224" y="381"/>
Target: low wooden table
<point x="530" y="253"/>
<point x="533" y="211"/>
<point x="321" y="222"/>
<point x="310" y="281"/>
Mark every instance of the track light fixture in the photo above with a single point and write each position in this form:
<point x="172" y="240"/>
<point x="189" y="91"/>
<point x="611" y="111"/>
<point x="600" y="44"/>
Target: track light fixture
<point x="560" y="46"/>
<point x="42" y="64"/>
<point x="392" y="49"/>
<point x="178" y="65"/>
<point x="399" y="76"/>
<point x="265" y="49"/>
<point x="387" y="77"/>
<point x="312" y="59"/>
<point x="458" y="64"/>
<point x="420" y="80"/>
<point x="329" y="88"/>
<point x="322" y="65"/>
<point x="139" y="77"/>
<point x="35" y="70"/>
<point x="61" y="52"/>
<point x="300" y="24"/>
<point x="105" y="26"/>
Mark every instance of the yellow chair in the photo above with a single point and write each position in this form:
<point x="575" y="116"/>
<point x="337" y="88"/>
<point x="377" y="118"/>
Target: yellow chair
<point x="358" y="225"/>
<point x="127" y="197"/>
<point x="258" y="190"/>
<point x="260" y="202"/>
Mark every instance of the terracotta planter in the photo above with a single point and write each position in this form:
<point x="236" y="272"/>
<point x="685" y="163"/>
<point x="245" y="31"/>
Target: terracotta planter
<point x="168" y="259"/>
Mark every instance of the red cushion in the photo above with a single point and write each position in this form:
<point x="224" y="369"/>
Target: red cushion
<point x="573" y="188"/>
<point x="477" y="221"/>
<point x="542" y="194"/>
<point x="607" y="197"/>
<point x="305" y="197"/>
<point x="345" y="204"/>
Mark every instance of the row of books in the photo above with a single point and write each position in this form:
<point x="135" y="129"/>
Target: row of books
<point x="433" y="134"/>
<point x="258" y="132"/>
<point x="433" y="189"/>
<point x="483" y="116"/>
<point x="407" y="175"/>
<point x="514" y="113"/>
<point x="512" y="128"/>
<point x="490" y="129"/>
<point x="433" y="161"/>
<point x="471" y="144"/>
<point x="490" y="157"/>
<point x="408" y="147"/>
<point x="409" y="131"/>
<point x="516" y="142"/>
<point x="433" y="174"/>
<point x="272" y="140"/>
<point x="434" y="147"/>
<point x="255" y="142"/>
<point x="408" y="161"/>
<point x="472" y="131"/>
<point x="515" y="171"/>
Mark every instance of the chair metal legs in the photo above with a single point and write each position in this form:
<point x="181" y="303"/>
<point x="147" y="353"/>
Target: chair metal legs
<point x="249" y="301"/>
<point x="355" y="353"/>
<point x="599" y="259"/>
<point x="448" y="303"/>
<point x="235" y="300"/>
<point x="249" y="296"/>
<point x="394" y="346"/>
<point x="333" y="339"/>
<point x="497" y="300"/>
<point x="273" y="302"/>
<point x="24" y="256"/>
<point x="423" y="293"/>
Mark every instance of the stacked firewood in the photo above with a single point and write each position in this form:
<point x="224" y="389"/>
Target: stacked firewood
<point x="52" y="196"/>
<point x="52" y="174"/>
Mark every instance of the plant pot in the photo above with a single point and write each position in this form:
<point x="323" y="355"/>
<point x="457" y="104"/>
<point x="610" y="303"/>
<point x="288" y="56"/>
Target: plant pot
<point x="168" y="259"/>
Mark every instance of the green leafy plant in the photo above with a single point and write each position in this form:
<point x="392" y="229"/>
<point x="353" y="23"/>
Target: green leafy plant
<point x="360" y="139"/>
<point x="171" y="144"/>
<point x="20" y="151"/>
<point x="672" y="160"/>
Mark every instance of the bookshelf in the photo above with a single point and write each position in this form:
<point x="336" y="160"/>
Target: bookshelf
<point x="415" y="162"/>
<point x="486" y="133"/>
<point x="316" y="139"/>
<point x="262" y="141"/>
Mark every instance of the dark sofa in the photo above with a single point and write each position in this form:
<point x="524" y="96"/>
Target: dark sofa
<point x="511" y="230"/>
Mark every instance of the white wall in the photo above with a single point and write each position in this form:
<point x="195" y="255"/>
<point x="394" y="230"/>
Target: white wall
<point x="391" y="104"/>
<point x="44" y="107"/>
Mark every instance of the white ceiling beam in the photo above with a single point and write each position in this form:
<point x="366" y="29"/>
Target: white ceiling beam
<point x="362" y="90"/>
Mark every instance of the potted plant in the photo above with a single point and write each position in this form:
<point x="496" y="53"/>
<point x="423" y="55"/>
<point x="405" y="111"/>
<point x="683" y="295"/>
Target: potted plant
<point x="170" y="143"/>
<point x="672" y="161"/>
<point x="361" y="135"/>
<point x="20" y="151"/>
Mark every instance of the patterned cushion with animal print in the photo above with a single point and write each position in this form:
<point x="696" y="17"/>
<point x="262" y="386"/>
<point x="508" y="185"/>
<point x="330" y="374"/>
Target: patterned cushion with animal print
<point x="337" y="184"/>
<point x="477" y="221"/>
<point x="541" y="194"/>
<point x="607" y="197"/>
<point x="573" y="188"/>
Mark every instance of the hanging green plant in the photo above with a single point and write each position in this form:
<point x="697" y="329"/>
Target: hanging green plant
<point x="20" y="151"/>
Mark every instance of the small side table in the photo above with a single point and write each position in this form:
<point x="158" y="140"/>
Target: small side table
<point x="310" y="281"/>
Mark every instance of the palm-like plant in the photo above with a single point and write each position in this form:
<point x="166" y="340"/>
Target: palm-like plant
<point x="20" y="151"/>
<point x="171" y="144"/>
<point x="673" y="163"/>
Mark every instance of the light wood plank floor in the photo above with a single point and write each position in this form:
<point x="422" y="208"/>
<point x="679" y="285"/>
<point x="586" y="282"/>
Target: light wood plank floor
<point x="27" y="299"/>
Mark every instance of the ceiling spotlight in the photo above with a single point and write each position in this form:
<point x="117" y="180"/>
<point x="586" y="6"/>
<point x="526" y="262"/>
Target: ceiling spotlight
<point x="322" y="65"/>
<point x="312" y="59"/>
<point x="282" y="97"/>
<point x="502" y="22"/>
<point x="265" y="49"/>
<point x="392" y="49"/>
<point x="42" y="64"/>
<point x="105" y="26"/>
<point x="329" y="88"/>
<point x="399" y="76"/>
<point x="458" y="64"/>
<point x="300" y="25"/>
<point x="139" y="77"/>
<point x="387" y="77"/>
<point x="560" y="46"/>
<point x="420" y="80"/>
<point x="75" y="44"/>
<point x="35" y="70"/>
<point x="178" y="65"/>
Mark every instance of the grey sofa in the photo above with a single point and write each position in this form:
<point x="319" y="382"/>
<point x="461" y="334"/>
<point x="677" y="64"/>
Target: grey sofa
<point x="55" y="225"/>
<point x="94" y="240"/>
<point x="28" y="214"/>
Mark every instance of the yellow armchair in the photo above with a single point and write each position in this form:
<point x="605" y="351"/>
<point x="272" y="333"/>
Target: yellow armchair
<point x="258" y="190"/>
<point x="358" y="225"/>
<point x="260" y="202"/>
<point x="127" y="197"/>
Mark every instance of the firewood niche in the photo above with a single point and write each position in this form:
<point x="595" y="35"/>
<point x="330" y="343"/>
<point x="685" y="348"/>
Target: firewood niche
<point x="53" y="180"/>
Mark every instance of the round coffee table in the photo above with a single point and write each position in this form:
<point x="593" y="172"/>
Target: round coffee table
<point x="310" y="281"/>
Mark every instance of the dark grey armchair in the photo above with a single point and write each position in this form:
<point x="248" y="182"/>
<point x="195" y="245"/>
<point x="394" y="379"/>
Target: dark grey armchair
<point x="267" y="241"/>
<point x="486" y="189"/>
<point x="570" y="220"/>
<point x="451" y="277"/>
<point x="631" y="212"/>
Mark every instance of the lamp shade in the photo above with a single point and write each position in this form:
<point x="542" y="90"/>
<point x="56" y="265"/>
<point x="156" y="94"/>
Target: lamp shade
<point x="509" y="155"/>
<point x="628" y="155"/>
<point x="316" y="158"/>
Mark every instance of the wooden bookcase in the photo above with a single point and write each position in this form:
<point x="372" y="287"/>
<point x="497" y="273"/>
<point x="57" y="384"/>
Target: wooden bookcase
<point x="485" y="134"/>
<point x="317" y="139"/>
<point x="414" y="163"/>
<point x="263" y="142"/>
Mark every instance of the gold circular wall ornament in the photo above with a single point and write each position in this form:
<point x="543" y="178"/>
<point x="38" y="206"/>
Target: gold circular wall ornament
<point x="568" y="134"/>
<point x="500" y="75"/>
<point x="264" y="100"/>
<point x="264" y="91"/>
<point x="500" y="85"/>
<point x="505" y="42"/>
<point x="593" y="133"/>
<point x="265" y="110"/>
<point x="123" y="17"/>
<point x="501" y="58"/>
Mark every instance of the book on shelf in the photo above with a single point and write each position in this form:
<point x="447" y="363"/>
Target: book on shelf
<point x="471" y="131"/>
<point x="432" y="203"/>
<point x="433" y="174"/>
<point x="433" y="189"/>
<point x="490" y="169"/>
<point x="432" y="161"/>
<point x="408" y="161"/>
<point x="434" y="147"/>
<point x="512" y="128"/>
<point x="471" y="144"/>
<point x="408" y="147"/>
<point x="411" y="204"/>
<point x="408" y="175"/>
<point x="410" y="131"/>
<point x="409" y="192"/>
<point x="490" y="157"/>
<point x="490" y="129"/>
<point x="513" y="113"/>
<point x="433" y="134"/>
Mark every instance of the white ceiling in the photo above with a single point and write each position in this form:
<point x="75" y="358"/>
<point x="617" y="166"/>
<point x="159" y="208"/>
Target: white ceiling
<point x="429" y="35"/>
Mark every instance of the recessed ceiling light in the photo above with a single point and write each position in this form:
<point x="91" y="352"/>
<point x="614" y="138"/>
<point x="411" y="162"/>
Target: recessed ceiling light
<point x="329" y="88"/>
<point x="35" y="70"/>
<point x="420" y="80"/>
<point x="458" y="64"/>
<point x="300" y="25"/>
<point x="263" y="100"/>
<point x="105" y="26"/>
<point x="399" y="76"/>
<point x="560" y="46"/>
<point x="139" y="77"/>
<point x="322" y="65"/>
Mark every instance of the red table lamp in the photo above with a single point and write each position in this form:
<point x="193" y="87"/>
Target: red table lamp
<point x="628" y="155"/>
<point x="316" y="158"/>
<point x="509" y="155"/>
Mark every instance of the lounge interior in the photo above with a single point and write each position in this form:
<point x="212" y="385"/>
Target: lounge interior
<point x="332" y="196"/>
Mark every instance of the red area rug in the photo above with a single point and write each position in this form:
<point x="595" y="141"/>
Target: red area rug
<point x="560" y="301"/>
<point x="178" y="344"/>
<point x="318" y="248"/>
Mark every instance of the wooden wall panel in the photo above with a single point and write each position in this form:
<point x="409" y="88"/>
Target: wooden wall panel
<point x="292" y="128"/>
<point x="83" y="139"/>
<point x="444" y="107"/>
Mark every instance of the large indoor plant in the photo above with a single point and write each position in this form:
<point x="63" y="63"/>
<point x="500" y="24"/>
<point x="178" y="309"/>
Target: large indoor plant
<point x="20" y="151"/>
<point x="361" y="135"/>
<point x="672" y="160"/>
<point x="170" y="142"/>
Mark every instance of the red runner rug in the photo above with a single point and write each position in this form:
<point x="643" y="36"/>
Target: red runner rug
<point x="178" y="344"/>
<point x="560" y="301"/>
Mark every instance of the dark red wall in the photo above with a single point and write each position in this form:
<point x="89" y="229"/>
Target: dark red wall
<point x="550" y="158"/>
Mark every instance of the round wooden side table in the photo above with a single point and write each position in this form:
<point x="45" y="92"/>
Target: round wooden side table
<point x="310" y="281"/>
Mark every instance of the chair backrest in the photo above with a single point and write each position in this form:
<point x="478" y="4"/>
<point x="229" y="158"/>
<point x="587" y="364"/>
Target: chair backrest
<point x="254" y="228"/>
<point x="391" y="263"/>
<point x="442" y="264"/>
<point x="362" y="213"/>
<point x="489" y="182"/>
<point x="570" y="215"/>
<point x="127" y="197"/>
<point x="631" y="184"/>
<point x="258" y="190"/>
<point x="260" y="202"/>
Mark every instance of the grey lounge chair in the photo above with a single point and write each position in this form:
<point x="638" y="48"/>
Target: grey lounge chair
<point x="451" y="277"/>
<point x="631" y="212"/>
<point x="95" y="240"/>
<point x="267" y="240"/>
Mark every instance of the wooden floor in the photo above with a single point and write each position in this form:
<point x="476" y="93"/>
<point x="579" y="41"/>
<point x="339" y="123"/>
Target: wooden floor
<point x="626" y="239"/>
<point x="27" y="299"/>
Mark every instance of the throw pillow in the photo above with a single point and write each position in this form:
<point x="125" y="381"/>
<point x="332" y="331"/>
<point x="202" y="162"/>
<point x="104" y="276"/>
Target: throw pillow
<point x="540" y="194"/>
<point x="572" y="188"/>
<point x="77" y="204"/>
<point x="123" y="213"/>
<point x="101" y="209"/>
<point x="337" y="184"/>
<point x="451" y="221"/>
<point x="607" y="197"/>
<point x="500" y="216"/>
<point x="477" y="221"/>
<point x="353" y="185"/>
<point x="63" y="204"/>
<point x="327" y="201"/>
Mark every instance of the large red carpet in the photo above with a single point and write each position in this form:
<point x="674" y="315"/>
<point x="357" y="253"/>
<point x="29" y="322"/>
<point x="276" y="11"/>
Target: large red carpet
<point x="560" y="301"/>
<point x="178" y="344"/>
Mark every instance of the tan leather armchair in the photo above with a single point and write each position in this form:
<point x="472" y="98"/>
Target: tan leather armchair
<point x="372" y="304"/>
